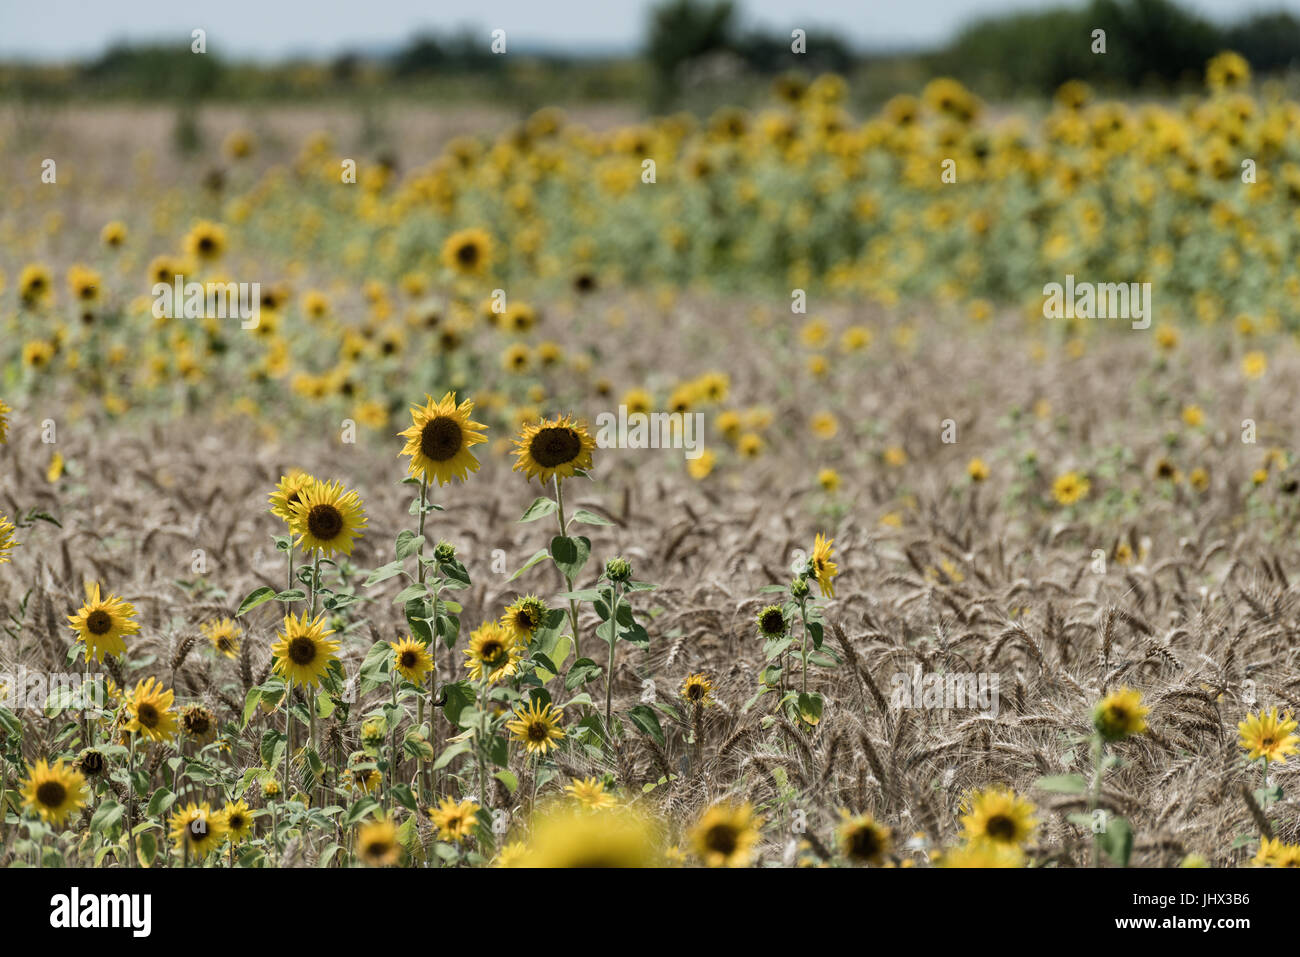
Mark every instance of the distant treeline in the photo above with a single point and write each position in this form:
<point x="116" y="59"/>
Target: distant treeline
<point x="690" y="44"/>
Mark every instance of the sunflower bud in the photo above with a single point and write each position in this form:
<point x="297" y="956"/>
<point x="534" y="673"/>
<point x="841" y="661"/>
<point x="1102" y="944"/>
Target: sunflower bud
<point x="618" y="569"/>
<point x="799" y="589"/>
<point x="373" y="733"/>
<point x="445" y="552"/>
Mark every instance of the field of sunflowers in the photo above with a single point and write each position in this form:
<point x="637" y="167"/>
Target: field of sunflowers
<point x="352" y="575"/>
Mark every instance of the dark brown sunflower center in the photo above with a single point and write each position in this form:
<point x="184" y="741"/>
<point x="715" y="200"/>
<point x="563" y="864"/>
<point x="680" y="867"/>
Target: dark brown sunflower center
<point x="772" y="622"/>
<point x="523" y="621"/>
<point x="695" y="692"/>
<point x="324" y="522"/>
<point x="206" y="244"/>
<point x="467" y="254"/>
<point x="236" y="822"/>
<point x="376" y="849"/>
<point x="92" y="763"/>
<point x="492" y="651"/>
<point x="197" y="724"/>
<point x="1001" y="828"/>
<point x="99" y="622"/>
<point x="198" y="829"/>
<point x="51" y="794"/>
<point x="538" y="731"/>
<point x="722" y="839"/>
<point x="440" y="439"/>
<point x="147" y="715"/>
<point x="1266" y="743"/>
<point x="409" y="659"/>
<point x="226" y="644"/>
<point x="302" y="650"/>
<point x="555" y="446"/>
<point x="864" y="843"/>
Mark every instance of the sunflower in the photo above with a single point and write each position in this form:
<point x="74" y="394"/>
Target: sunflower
<point x="862" y="839"/>
<point x="977" y="470"/>
<point x="822" y="566"/>
<point x="698" y="690"/>
<point x="4" y="422"/>
<point x="455" y="820"/>
<point x="1070" y="488"/>
<point x="102" y="624"/>
<point x="590" y="793"/>
<point x="998" y="815"/>
<point x="1267" y="736"/>
<point x="149" y="711"/>
<point x="439" y="439"/>
<point x="53" y="792"/>
<point x="982" y="854"/>
<point x="566" y="836"/>
<point x="725" y="836"/>
<point x="237" y="820"/>
<point x="224" y="635"/>
<point x="411" y="659"/>
<point x="1120" y="714"/>
<point x="772" y="622"/>
<point x="555" y="447"/>
<point x="524" y="617"/>
<point x="84" y="283"/>
<point x="377" y="843"/>
<point x="327" y="518"/>
<point x="493" y="651"/>
<point x="206" y="241"/>
<point x="511" y="855"/>
<point x="289" y="492"/>
<point x="468" y="252"/>
<point x="34" y="284"/>
<point x="304" y="652"/>
<point x="1273" y="853"/>
<point x="538" y="728"/>
<point x="195" y="830"/>
<point x="365" y="776"/>
<point x="7" y="541"/>
<point x="113" y="235"/>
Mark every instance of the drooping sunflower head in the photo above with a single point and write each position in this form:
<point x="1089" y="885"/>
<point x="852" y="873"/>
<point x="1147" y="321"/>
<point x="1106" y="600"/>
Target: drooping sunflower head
<point x="237" y="820"/>
<point x="493" y="651"/>
<point x="568" y="836"/>
<point x="7" y="541"/>
<point x="224" y="635"/>
<point x="1120" y="714"/>
<point x="537" y="727"/>
<point x="590" y="793"/>
<point x="53" y="792"/>
<point x="726" y="834"/>
<point x="91" y="763"/>
<point x="772" y="622"/>
<point x="412" y="659"/>
<point x="698" y="690"/>
<point x="862" y="839"/>
<point x="823" y="568"/>
<point x="439" y="439"/>
<point x="553" y="448"/>
<point x="454" y="820"/>
<point x="304" y="652"/>
<point x="288" y="493"/>
<point x="468" y="252"/>
<point x="1000" y="816"/>
<point x="149" y="710"/>
<point x="524" y="616"/>
<point x="195" y="830"/>
<point x="377" y="843"/>
<point x="103" y="623"/>
<point x="363" y="772"/>
<point x="198" y="723"/>
<point x="1266" y="735"/>
<point x="327" y="517"/>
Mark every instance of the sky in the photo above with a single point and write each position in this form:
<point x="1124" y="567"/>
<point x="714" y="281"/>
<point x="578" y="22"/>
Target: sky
<point x="53" y="30"/>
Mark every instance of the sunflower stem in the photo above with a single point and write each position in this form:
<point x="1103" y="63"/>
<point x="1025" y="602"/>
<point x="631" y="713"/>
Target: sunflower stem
<point x="573" y="605"/>
<point x="130" y="800"/>
<point x="1098" y="757"/>
<point x="609" y="672"/>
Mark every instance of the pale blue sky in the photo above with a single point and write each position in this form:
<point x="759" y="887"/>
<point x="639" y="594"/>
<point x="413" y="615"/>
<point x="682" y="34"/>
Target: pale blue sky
<point x="240" y="29"/>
